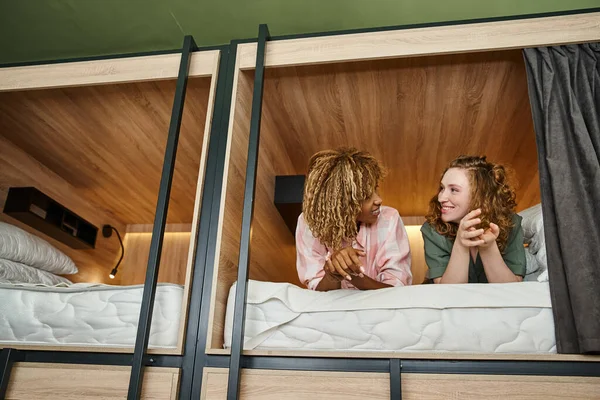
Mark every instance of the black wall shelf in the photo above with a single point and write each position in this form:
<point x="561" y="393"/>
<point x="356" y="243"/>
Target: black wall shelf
<point x="34" y="208"/>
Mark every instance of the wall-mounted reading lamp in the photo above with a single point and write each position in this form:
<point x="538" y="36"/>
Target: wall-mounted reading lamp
<point x="107" y="232"/>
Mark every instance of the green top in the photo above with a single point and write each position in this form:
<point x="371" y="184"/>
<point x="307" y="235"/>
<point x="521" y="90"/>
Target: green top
<point x="438" y="249"/>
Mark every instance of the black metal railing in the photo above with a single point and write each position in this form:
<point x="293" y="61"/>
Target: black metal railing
<point x="160" y="221"/>
<point x="248" y="209"/>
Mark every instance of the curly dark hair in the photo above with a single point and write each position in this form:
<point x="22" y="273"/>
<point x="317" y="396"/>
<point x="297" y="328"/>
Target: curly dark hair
<point x="491" y="191"/>
<point x="337" y="183"/>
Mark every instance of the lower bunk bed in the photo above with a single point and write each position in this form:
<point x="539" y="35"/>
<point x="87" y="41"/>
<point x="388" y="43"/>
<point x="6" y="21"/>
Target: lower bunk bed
<point x="476" y="318"/>
<point x="84" y="314"/>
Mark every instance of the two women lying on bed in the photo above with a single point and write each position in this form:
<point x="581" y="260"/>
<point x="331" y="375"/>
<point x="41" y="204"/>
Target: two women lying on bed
<point x="346" y="238"/>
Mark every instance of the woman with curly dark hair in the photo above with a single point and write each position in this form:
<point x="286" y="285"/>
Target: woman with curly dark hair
<point x="472" y="233"/>
<point x="345" y="238"/>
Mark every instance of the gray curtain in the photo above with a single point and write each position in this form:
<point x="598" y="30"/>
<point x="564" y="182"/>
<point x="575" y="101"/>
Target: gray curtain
<point x="564" y="91"/>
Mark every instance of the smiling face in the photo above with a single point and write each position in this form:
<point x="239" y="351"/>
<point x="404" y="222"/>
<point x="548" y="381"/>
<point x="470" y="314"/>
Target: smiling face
<point x="370" y="209"/>
<point x="455" y="195"/>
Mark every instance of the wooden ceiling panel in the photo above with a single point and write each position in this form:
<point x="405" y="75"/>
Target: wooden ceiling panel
<point x="108" y="142"/>
<point x="414" y="114"/>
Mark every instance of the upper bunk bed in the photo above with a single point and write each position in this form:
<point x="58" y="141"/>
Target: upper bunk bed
<point x="91" y="136"/>
<point x="414" y="98"/>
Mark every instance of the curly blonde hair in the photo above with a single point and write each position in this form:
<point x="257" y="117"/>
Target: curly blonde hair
<point x="491" y="191"/>
<point x="337" y="183"/>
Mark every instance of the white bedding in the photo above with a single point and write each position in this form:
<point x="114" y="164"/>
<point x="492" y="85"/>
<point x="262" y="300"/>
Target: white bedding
<point x="14" y="272"/>
<point x="86" y="314"/>
<point x="23" y="247"/>
<point x="489" y="318"/>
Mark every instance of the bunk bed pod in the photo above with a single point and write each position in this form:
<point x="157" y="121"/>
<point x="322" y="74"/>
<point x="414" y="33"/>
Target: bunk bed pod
<point x="321" y="92"/>
<point x="91" y="135"/>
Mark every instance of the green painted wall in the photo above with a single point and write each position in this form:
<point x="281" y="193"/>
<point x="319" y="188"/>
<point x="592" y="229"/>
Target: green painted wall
<point x="35" y="30"/>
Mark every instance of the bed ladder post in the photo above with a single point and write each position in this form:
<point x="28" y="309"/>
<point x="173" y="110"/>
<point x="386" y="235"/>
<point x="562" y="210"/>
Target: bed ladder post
<point x="191" y="385"/>
<point x="395" y="379"/>
<point x="7" y="357"/>
<point x="237" y="336"/>
<point x="160" y="220"/>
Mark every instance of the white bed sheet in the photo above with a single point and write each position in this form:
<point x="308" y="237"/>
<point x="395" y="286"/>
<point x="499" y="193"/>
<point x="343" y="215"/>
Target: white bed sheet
<point x="86" y="314"/>
<point x="473" y="318"/>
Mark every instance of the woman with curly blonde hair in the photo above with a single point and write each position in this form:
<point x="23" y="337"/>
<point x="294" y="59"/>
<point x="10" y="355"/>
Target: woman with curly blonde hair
<point x="345" y="238"/>
<point x="472" y="233"/>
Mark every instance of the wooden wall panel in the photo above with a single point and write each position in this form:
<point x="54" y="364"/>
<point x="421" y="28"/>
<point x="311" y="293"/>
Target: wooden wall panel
<point x="109" y="141"/>
<point x="418" y="265"/>
<point x="313" y="385"/>
<point x="174" y="255"/>
<point x="81" y="382"/>
<point x="19" y="169"/>
<point x="275" y="243"/>
<point x="414" y="114"/>
<point x="482" y="387"/>
<point x="230" y="217"/>
<point x="99" y="151"/>
<point x="273" y="251"/>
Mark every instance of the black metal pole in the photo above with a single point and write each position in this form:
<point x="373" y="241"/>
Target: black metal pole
<point x="242" y="279"/>
<point x="339" y="364"/>
<point x="160" y="219"/>
<point x="395" y="379"/>
<point x="202" y="278"/>
<point x="6" y="362"/>
<point x="201" y="358"/>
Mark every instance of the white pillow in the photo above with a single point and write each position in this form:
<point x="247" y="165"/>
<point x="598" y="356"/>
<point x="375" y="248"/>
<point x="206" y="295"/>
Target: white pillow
<point x="540" y="257"/>
<point x="533" y="233"/>
<point x="543" y="277"/>
<point x="531" y="262"/>
<point x="533" y="222"/>
<point x="14" y="272"/>
<point x="23" y="247"/>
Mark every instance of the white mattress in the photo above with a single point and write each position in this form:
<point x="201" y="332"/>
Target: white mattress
<point x="86" y="314"/>
<point x="472" y="318"/>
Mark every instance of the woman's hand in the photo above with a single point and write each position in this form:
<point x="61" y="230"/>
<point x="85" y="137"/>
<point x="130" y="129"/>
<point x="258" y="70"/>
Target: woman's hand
<point x="489" y="236"/>
<point x="468" y="235"/>
<point x="344" y="263"/>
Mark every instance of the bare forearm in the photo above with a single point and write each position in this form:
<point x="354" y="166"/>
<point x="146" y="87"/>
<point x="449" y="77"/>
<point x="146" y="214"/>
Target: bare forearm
<point x="457" y="270"/>
<point x="328" y="283"/>
<point x="494" y="266"/>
